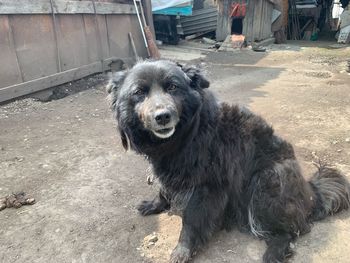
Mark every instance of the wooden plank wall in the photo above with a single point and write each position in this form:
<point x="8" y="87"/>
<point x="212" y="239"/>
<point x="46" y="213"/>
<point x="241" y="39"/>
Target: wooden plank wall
<point x="257" y="23"/>
<point x="39" y="50"/>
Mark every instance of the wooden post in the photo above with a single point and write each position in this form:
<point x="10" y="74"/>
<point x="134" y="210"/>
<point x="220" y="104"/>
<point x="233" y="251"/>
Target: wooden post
<point x="147" y="7"/>
<point x="223" y="27"/>
<point x="133" y="46"/>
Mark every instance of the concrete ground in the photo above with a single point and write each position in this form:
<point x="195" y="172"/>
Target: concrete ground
<point x="67" y="154"/>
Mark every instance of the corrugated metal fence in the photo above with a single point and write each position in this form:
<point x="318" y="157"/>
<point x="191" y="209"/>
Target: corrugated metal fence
<point x="202" y="20"/>
<point x="44" y="43"/>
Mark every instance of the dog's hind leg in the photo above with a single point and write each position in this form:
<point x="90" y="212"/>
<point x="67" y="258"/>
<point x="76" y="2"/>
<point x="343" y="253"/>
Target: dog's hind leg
<point x="278" y="248"/>
<point x="280" y="204"/>
<point x="156" y="206"/>
<point x="202" y="216"/>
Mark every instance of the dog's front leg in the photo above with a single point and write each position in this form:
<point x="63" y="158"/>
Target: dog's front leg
<point x="156" y="206"/>
<point x="202" y="216"/>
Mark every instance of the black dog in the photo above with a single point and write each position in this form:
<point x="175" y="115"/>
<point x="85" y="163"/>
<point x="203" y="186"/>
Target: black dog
<point x="219" y="165"/>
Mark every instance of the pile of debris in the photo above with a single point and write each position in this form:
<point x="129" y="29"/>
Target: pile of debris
<point x="16" y="200"/>
<point x="344" y="25"/>
<point x="241" y="22"/>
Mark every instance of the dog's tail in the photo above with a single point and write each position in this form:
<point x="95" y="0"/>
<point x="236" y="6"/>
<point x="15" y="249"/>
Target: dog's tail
<point x="332" y="192"/>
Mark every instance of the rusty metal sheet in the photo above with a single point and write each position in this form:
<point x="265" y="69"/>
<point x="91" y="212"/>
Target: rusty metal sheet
<point x="8" y="7"/>
<point x="118" y="28"/>
<point x="30" y="40"/>
<point x="9" y="70"/>
<point x="35" y="45"/>
<point x="92" y="39"/>
<point x="203" y="20"/>
<point x="102" y="24"/>
<point x="72" y="41"/>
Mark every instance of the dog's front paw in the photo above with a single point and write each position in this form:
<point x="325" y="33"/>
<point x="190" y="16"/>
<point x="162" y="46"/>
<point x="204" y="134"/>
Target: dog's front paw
<point x="271" y="257"/>
<point x="180" y="254"/>
<point x="147" y="208"/>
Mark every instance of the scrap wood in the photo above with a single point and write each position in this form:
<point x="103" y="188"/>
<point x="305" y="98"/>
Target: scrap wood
<point x="132" y="42"/>
<point x="232" y="43"/>
<point x="306" y="25"/>
<point x="16" y="200"/>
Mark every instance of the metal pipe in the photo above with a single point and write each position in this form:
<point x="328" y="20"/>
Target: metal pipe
<point x="141" y="26"/>
<point x="142" y="13"/>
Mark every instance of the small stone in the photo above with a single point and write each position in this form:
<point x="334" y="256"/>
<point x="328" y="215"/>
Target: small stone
<point x="347" y="139"/>
<point x="292" y="246"/>
<point x="57" y="230"/>
<point x="334" y="142"/>
<point x="153" y="238"/>
<point x="208" y="40"/>
<point x="150" y="240"/>
<point x="30" y="201"/>
<point x="339" y="150"/>
<point x="2" y="206"/>
<point x="314" y="155"/>
<point x="143" y="255"/>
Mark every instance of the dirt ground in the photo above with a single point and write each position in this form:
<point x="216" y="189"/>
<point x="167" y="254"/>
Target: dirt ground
<point x="66" y="153"/>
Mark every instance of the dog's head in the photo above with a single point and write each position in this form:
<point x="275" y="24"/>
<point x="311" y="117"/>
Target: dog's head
<point x="154" y="100"/>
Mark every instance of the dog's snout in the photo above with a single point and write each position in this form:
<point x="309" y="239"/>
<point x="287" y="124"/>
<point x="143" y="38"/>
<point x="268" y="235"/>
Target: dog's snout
<point x="162" y="117"/>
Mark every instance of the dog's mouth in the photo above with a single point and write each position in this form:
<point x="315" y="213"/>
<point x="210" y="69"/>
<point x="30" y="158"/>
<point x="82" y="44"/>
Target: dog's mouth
<point x="164" y="133"/>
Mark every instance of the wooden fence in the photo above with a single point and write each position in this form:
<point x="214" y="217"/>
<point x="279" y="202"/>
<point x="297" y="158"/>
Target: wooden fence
<point x="45" y="43"/>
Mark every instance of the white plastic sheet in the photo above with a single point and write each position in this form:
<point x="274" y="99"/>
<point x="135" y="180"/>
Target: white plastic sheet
<point x="337" y="9"/>
<point x="161" y="4"/>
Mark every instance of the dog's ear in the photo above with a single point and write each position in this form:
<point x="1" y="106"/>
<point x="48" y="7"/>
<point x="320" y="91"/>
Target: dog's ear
<point x="113" y="87"/>
<point x="198" y="80"/>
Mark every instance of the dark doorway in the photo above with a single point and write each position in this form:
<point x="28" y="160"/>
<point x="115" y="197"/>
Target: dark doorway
<point x="237" y="26"/>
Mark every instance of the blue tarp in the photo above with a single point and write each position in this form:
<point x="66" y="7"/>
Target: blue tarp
<point x="172" y="7"/>
<point x="183" y="11"/>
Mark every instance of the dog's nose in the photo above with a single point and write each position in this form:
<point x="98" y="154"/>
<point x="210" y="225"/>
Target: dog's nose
<point x="162" y="117"/>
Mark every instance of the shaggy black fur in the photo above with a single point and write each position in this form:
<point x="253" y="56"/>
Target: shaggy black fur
<point x="223" y="165"/>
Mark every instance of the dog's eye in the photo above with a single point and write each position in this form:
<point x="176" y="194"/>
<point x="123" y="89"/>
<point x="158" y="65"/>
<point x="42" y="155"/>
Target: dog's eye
<point x="172" y="87"/>
<point x="140" y="91"/>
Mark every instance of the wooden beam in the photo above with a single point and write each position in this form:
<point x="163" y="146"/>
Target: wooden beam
<point x="8" y="7"/>
<point x="39" y="84"/>
<point x="149" y="16"/>
<point x="105" y="8"/>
